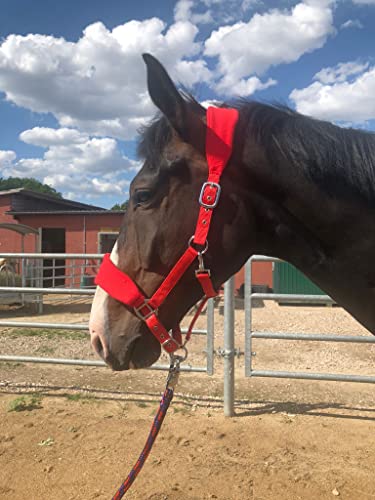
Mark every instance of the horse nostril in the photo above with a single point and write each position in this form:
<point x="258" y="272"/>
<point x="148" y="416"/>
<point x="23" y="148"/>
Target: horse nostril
<point x="98" y="346"/>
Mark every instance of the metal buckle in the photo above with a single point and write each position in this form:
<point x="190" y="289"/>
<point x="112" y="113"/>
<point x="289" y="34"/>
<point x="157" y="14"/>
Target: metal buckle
<point x="172" y="341"/>
<point x="217" y="195"/>
<point x="150" y="311"/>
<point x="201" y="268"/>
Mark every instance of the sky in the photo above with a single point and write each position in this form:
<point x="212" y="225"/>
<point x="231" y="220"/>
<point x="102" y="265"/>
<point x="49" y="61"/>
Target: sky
<point x="73" y="83"/>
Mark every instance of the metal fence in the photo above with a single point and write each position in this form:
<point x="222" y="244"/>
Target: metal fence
<point x="318" y="337"/>
<point x="78" y="288"/>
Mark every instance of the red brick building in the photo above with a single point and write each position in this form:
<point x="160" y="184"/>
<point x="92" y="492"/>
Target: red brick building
<point x="66" y="226"/>
<point x="56" y="225"/>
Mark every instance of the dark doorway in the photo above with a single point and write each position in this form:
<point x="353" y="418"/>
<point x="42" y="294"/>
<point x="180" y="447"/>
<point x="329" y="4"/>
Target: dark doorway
<point x="106" y="242"/>
<point x="53" y="241"/>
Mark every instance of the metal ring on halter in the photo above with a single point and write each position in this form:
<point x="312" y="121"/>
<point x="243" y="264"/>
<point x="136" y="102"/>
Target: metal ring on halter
<point x="176" y="358"/>
<point x="200" y="252"/>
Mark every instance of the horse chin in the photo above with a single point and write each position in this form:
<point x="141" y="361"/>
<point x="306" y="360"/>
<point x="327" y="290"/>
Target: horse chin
<point x="146" y="351"/>
<point x="142" y="352"/>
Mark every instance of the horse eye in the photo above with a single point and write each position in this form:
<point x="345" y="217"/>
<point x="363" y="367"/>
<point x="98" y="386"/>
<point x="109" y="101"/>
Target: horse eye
<point x="141" y="196"/>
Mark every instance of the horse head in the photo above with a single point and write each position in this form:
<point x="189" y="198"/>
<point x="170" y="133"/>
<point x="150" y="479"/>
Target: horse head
<point x="160" y="220"/>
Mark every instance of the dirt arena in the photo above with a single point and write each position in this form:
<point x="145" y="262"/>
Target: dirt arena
<point x="73" y="433"/>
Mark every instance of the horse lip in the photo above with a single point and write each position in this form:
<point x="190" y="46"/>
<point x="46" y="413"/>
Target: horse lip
<point x="117" y="365"/>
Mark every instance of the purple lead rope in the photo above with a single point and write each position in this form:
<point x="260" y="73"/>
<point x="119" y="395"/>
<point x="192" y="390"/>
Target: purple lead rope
<point x="156" y="425"/>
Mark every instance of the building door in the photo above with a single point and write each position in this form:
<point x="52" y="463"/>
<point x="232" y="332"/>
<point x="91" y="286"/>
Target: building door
<point x="106" y="241"/>
<point x="53" y="241"/>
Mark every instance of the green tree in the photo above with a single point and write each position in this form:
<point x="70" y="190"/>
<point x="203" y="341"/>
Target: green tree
<point x="27" y="183"/>
<point x="122" y="206"/>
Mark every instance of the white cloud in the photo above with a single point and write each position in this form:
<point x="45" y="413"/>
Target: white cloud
<point x="340" y="73"/>
<point x="215" y="12"/>
<point x="6" y="158"/>
<point x="191" y="72"/>
<point x="246" y="87"/>
<point x="74" y="163"/>
<point x="275" y="37"/>
<point x="182" y="10"/>
<point x="99" y="82"/>
<point x="45" y="137"/>
<point x="352" y="23"/>
<point x="345" y="92"/>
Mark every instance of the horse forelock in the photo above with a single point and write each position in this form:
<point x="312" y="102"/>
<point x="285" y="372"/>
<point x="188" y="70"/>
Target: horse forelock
<point x="153" y="138"/>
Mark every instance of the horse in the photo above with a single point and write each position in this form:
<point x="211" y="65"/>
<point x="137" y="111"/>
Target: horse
<point x="294" y="187"/>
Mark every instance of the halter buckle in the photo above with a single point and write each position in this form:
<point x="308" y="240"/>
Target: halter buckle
<point x="143" y="315"/>
<point x="171" y="345"/>
<point x="210" y="203"/>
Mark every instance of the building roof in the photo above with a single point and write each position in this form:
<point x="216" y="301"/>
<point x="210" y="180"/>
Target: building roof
<point x="63" y="202"/>
<point x="67" y="212"/>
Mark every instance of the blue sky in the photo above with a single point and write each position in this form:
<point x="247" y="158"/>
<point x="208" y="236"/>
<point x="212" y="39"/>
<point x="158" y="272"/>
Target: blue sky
<point x="72" y="81"/>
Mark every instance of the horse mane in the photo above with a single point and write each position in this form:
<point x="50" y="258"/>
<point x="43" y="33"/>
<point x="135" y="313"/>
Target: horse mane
<point x="341" y="161"/>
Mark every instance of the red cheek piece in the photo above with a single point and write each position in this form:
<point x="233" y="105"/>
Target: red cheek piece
<point x="221" y="125"/>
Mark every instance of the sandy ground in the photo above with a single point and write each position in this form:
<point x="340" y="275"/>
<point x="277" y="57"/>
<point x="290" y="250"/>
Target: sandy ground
<point x="290" y="439"/>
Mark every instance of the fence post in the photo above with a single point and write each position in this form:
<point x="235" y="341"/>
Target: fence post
<point x="22" y="271"/>
<point x="248" y="318"/>
<point x="210" y="336"/>
<point x="229" y="348"/>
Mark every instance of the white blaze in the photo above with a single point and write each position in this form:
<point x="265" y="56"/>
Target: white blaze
<point x="99" y="311"/>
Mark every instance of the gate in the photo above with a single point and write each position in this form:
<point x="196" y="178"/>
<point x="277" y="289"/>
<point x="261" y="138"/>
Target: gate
<point x="298" y="298"/>
<point x="80" y="285"/>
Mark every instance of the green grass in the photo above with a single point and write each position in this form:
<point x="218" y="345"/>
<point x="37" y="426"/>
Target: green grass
<point x="26" y="403"/>
<point x="47" y="333"/>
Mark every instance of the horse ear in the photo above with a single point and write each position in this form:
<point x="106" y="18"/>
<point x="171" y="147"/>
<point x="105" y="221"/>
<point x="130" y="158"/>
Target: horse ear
<point x="165" y="95"/>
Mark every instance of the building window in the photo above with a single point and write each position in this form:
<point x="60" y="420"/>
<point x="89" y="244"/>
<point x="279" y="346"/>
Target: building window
<point x="106" y="242"/>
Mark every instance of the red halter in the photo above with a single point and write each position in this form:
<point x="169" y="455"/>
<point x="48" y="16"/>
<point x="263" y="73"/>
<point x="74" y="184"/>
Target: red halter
<point x="221" y="124"/>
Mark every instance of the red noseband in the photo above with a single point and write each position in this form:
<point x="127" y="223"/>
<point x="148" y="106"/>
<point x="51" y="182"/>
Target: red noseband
<point x="221" y="124"/>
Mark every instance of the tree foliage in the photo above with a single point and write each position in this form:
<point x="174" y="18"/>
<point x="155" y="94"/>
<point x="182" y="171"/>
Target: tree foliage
<point x="27" y="183"/>
<point x="121" y="206"/>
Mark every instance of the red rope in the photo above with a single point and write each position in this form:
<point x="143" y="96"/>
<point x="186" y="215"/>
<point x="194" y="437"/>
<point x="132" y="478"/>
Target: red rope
<point x="164" y="405"/>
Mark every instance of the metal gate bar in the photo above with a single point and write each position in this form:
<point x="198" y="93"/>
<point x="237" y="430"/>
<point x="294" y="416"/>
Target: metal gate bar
<point x="88" y="362"/>
<point x="209" y="368"/>
<point x="250" y="335"/>
<point x="67" y="326"/>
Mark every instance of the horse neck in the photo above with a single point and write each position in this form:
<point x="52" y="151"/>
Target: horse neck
<point x="329" y="239"/>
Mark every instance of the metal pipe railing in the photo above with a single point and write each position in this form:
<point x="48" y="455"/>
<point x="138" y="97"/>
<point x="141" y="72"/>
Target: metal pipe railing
<point x="38" y="278"/>
<point x="88" y="362"/>
<point x="355" y="339"/>
<point x="229" y="352"/>
<point x="295" y="298"/>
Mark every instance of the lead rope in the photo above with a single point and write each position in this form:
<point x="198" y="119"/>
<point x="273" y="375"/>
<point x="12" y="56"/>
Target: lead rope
<point x="174" y="371"/>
